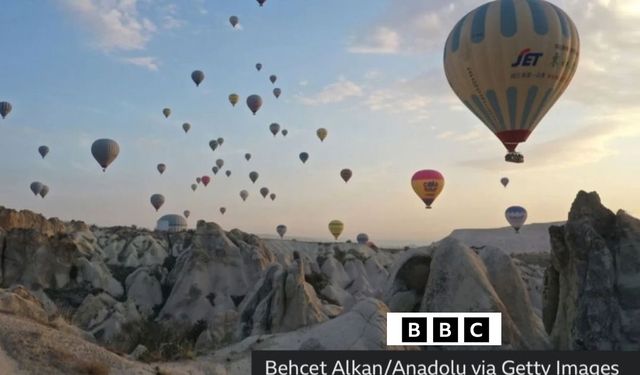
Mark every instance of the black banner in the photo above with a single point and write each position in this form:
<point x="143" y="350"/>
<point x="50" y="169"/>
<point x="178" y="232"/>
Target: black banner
<point x="444" y="363"/>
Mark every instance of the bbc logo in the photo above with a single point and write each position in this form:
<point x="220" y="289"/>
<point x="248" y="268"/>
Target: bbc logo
<point x="444" y="329"/>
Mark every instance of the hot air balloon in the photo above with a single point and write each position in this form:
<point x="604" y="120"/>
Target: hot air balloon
<point x="516" y="216"/>
<point x="272" y="196"/>
<point x="336" y="227"/>
<point x="244" y="194"/>
<point x="161" y="168"/>
<point x="44" y="191"/>
<point x="304" y="157"/>
<point x="198" y="179"/>
<point x="5" y="108"/>
<point x="274" y="128"/>
<point x="509" y="62"/>
<point x="254" y="102"/>
<point x="166" y="112"/>
<point x="215" y="169"/>
<point x="273" y="78"/>
<point x="264" y="192"/>
<point x="253" y="176"/>
<point x="36" y="187"/>
<point x="43" y="151"/>
<point x="157" y="200"/>
<point x="281" y="230"/>
<point x="277" y="92"/>
<point x="504" y="181"/>
<point x="233" y="20"/>
<point x="261" y="2"/>
<point x="233" y="99"/>
<point x="362" y="238"/>
<point x="258" y="66"/>
<point x="284" y="132"/>
<point x="187" y="213"/>
<point x="220" y="141"/>
<point x="247" y="156"/>
<point x="213" y="144"/>
<point x="322" y="134"/>
<point x="105" y="151"/>
<point x="427" y="184"/>
<point x="206" y="180"/>
<point x="219" y="163"/>
<point x="228" y="173"/>
<point x="186" y="126"/>
<point x="346" y="174"/>
<point x="194" y="187"/>
<point x="223" y="210"/>
<point x="197" y="76"/>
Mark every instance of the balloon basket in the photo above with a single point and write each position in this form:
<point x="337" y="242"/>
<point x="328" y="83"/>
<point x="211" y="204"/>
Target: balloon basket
<point x="514" y="157"/>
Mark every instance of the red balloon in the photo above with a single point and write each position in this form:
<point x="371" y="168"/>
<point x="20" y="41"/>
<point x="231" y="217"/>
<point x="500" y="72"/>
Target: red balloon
<point x="206" y="180"/>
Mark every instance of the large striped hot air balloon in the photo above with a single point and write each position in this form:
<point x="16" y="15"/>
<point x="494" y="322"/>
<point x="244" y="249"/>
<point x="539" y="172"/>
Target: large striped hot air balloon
<point x="509" y="61"/>
<point x="427" y="184"/>
<point x="516" y="216"/>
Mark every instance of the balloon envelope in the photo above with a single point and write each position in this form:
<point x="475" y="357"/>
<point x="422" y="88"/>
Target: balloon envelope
<point x="336" y="227"/>
<point x="5" y="108"/>
<point x="194" y="187"/>
<point x="362" y="238"/>
<point x="228" y="173"/>
<point x="264" y="192"/>
<point x="277" y="92"/>
<point x="273" y="78"/>
<point x="166" y="112"/>
<point x="247" y="156"/>
<point x="223" y="210"/>
<point x="197" y="76"/>
<point x="508" y="62"/>
<point x="322" y="134"/>
<point x="219" y="163"/>
<point x="43" y="151"/>
<point x="284" y="132"/>
<point x="215" y="169"/>
<point x="206" y="180"/>
<point x="253" y="176"/>
<point x="244" y="194"/>
<point x="261" y="2"/>
<point x="105" y="151"/>
<point x="220" y="141"/>
<point x="274" y="128"/>
<point x="272" y="196"/>
<point x="161" y="168"/>
<point x="213" y="144"/>
<point x="516" y="216"/>
<point x="233" y="99"/>
<point x="187" y="213"/>
<point x="254" y="102"/>
<point x="157" y="200"/>
<point x="36" y="187"/>
<point x="233" y="20"/>
<point x="346" y="174"/>
<point x="427" y="184"/>
<point x="304" y="157"/>
<point x="44" y="191"/>
<point x="504" y="181"/>
<point x="186" y="126"/>
<point x="281" y="230"/>
<point x="198" y="179"/>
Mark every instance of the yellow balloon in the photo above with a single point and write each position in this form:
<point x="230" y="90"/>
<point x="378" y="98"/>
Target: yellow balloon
<point x="322" y="134"/>
<point x="233" y="99"/>
<point x="336" y="227"/>
<point x="509" y="61"/>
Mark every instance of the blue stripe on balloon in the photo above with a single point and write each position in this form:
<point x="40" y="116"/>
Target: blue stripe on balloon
<point x="478" y="24"/>
<point x="493" y="100"/>
<point x="475" y="111"/>
<point x="540" y="22"/>
<point x="564" y="23"/>
<point x="542" y="103"/>
<point x="455" y="35"/>
<point x="531" y="96"/>
<point x="484" y="111"/>
<point x="508" y="24"/>
<point x="512" y="101"/>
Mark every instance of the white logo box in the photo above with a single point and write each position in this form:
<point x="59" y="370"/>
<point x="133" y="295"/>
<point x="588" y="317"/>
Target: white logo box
<point x="394" y="328"/>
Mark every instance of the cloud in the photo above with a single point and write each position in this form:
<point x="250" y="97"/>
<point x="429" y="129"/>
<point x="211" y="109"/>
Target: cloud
<point x="116" y="24"/>
<point x="148" y="62"/>
<point x="170" y="20"/>
<point x="334" y="93"/>
<point x="381" y="40"/>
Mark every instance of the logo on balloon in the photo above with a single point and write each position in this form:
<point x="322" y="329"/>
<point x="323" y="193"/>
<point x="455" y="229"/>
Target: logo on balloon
<point x="527" y="58"/>
<point x="431" y="186"/>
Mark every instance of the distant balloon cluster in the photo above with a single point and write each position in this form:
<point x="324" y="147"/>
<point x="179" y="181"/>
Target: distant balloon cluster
<point x="508" y="74"/>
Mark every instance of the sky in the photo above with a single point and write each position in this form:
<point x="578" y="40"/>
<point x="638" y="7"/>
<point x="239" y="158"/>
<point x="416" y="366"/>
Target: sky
<point x="368" y="71"/>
